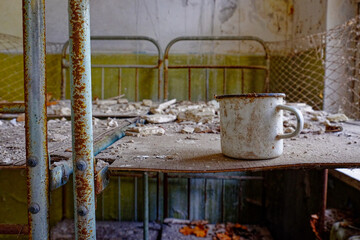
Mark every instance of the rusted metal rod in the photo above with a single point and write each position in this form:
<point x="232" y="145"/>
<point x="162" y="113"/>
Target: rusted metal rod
<point x="14" y="229"/>
<point x="12" y="107"/>
<point x="218" y="67"/>
<point x="146" y="206"/>
<point x="325" y="174"/>
<point x="112" y="137"/>
<point x="37" y="161"/>
<point x="82" y="131"/>
<point x="193" y="176"/>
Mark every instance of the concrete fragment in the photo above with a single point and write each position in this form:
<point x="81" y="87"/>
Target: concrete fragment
<point x="326" y="123"/>
<point x="160" y="118"/>
<point x="105" y="102"/>
<point x="65" y="111"/>
<point x="100" y="164"/>
<point x="122" y="101"/>
<point x="147" y="102"/>
<point x="145" y="131"/>
<point x="112" y="123"/>
<point x="1" y="123"/>
<point x="162" y="106"/>
<point x="96" y="121"/>
<point x="137" y="105"/>
<point x="303" y="107"/>
<point x="202" y="129"/>
<point x="6" y="161"/>
<point x="205" y="115"/>
<point x="13" y="122"/>
<point x="214" y="103"/>
<point x="187" y="130"/>
<point x="57" y="137"/>
<point x="338" y="117"/>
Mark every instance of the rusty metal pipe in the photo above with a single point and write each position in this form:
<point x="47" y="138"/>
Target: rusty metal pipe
<point x="219" y="67"/>
<point x="111" y="138"/>
<point x="36" y="122"/>
<point x="146" y="206"/>
<point x="325" y="174"/>
<point x="12" y="107"/>
<point x="189" y="84"/>
<point x="81" y="117"/>
<point x="14" y="229"/>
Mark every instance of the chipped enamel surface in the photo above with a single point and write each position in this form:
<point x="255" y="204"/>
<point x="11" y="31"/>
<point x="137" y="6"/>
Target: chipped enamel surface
<point x="251" y="125"/>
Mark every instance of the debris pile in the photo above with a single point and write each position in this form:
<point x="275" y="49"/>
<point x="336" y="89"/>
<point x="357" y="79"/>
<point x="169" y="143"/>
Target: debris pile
<point x="315" y="122"/>
<point x="196" y="228"/>
<point x="231" y="231"/>
<point x="228" y="231"/>
<point x="200" y="229"/>
<point x="338" y="224"/>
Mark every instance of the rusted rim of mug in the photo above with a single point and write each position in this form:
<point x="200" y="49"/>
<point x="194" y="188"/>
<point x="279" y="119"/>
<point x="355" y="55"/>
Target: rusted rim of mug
<point x="250" y="95"/>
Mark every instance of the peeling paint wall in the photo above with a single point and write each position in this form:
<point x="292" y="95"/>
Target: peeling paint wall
<point x="309" y="17"/>
<point x="271" y="20"/>
<point x="11" y="17"/>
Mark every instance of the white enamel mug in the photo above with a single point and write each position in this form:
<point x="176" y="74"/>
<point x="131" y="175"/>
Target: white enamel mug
<point x="252" y="125"/>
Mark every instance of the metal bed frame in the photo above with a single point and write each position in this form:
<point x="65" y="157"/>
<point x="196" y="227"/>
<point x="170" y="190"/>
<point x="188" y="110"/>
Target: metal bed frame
<point x="189" y="67"/>
<point x="65" y="65"/>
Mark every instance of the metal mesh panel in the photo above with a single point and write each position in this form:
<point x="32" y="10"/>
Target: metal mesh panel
<point x="321" y="70"/>
<point x="12" y="68"/>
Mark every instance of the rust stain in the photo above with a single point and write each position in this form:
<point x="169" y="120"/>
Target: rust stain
<point x="291" y="9"/>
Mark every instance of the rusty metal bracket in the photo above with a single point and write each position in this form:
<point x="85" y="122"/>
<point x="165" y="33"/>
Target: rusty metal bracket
<point x="60" y="174"/>
<point x="102" y="179"/>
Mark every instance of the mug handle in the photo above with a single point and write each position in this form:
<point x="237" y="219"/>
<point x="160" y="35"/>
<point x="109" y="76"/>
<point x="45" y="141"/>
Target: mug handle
<point x="299" y="121"/>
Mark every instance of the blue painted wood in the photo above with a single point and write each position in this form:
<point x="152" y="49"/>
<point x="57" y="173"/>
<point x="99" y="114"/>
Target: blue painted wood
<point x="197" y="199"/>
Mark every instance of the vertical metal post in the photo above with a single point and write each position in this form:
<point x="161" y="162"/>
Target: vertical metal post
<point x="135" y="198"/>
<point x="82" y="132"/>
<point x="325" y="173"/>
<point x="207" y="85"/>
<point x="36" y="122"/>
<point x="119" y="198"/>
<point x="240" y="205"/>
<point x="189" y="198"/>
<point x="146" y="206"/>
<point x="160" y="197"/>
<point x="136" y="84"/>
<point x="102" y="83"/>
<point x="242" y="81"/>
<point x="224" y="81"/>
<point x="63" y="81"/>
<point x="189" y="84"/>
<point x="222" y="200"/>
<point x="166" y="80"/>
<point x="166" y="195"/>
<point x="119" y="83"/>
